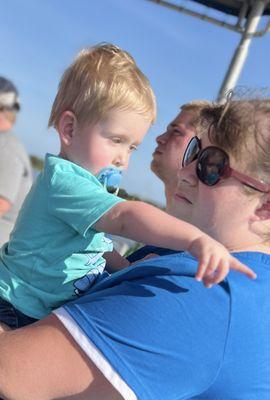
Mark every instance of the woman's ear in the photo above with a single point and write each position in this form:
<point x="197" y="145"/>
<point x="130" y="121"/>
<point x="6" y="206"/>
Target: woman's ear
<point x="67" y="127"/>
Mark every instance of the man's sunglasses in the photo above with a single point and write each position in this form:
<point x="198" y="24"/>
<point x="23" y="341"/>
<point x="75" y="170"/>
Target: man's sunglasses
<point x="213" y="164"/>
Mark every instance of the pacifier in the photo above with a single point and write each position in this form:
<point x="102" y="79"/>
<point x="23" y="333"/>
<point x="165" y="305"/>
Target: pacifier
<point x="110" y="178"/>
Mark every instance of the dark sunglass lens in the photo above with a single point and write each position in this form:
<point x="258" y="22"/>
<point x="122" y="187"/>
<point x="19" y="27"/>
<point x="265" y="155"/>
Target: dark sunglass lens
<point x="212" y="165"/>
<point x="191" y="152"/>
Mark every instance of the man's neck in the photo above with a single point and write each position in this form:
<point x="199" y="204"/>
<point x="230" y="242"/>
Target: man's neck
<point x="169" y="193"/>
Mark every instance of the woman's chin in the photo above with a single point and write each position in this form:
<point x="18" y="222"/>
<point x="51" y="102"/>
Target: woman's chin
<point x="180" y="209"/>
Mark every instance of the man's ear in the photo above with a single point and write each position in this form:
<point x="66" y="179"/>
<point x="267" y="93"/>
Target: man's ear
<point x="262" y="213"/>
<point x="67" y="127"/>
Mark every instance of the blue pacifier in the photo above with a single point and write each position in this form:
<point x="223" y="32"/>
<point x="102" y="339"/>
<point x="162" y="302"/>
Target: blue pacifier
<point x="110" y="178"/>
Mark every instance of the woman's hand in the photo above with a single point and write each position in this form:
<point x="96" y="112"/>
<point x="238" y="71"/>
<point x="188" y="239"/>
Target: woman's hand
<point x="215" y="261"/>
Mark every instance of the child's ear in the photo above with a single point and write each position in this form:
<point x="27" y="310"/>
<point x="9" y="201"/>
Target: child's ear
<point x="262" y="213"/>
<point x="67" y="127"/>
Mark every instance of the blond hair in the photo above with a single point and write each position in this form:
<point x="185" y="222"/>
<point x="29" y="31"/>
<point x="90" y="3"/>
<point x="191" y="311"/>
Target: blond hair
<point x="195" y="106"/>
<point x="100" y="79"/>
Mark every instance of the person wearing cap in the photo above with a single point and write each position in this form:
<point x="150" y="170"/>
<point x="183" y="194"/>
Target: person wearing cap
<point x="15" y="167"/>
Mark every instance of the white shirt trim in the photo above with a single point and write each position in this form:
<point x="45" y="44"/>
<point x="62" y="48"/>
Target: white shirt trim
<point x="94" y="354"/>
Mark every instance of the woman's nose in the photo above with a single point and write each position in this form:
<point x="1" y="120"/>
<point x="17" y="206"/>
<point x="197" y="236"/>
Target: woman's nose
<point x="188" y="175"/>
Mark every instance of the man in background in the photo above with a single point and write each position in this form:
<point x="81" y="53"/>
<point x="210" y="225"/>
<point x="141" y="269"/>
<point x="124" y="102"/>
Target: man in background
<point x="15" y="168"/>
<point x="167" y="160"/>
<point x="171" y="145"/>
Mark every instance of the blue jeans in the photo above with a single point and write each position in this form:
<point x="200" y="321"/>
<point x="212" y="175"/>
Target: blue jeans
<point x="12" y="317"/>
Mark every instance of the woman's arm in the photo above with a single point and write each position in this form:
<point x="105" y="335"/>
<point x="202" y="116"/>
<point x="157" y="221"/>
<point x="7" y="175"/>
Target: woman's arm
<point x="42" y="361"/>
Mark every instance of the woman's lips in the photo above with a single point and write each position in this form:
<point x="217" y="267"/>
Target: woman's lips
<point x="181" y="197"/>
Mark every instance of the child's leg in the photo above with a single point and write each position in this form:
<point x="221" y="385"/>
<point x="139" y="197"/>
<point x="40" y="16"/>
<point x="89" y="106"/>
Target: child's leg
<point x="4" y="328"/>
<point x="8" y="319"/>
<point x="11" y="318"/>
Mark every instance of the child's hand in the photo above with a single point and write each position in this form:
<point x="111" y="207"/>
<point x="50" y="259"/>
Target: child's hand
<point x="215" y="261"/>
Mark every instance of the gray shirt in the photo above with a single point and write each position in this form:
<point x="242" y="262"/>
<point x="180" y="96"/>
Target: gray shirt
<point x="15" y="180"/>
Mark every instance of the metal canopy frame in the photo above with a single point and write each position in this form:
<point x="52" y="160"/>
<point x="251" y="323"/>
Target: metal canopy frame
<point x="248" y="15"/>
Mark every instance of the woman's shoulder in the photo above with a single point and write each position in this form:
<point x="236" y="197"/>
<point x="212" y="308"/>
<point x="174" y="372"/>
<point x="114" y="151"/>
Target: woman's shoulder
<point x="256" y="260"/>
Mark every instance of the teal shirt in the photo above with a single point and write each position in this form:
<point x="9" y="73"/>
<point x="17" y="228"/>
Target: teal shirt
<point x="54" y="254"/>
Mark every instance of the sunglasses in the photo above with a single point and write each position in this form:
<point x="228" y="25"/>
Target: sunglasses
<point x="213" y="164"/>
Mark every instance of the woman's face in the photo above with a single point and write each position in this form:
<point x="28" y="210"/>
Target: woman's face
<point x="224" y="211"/>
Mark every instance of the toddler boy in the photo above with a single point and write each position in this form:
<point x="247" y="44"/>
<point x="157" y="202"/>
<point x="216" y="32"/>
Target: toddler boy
<point x="103" y="109"/>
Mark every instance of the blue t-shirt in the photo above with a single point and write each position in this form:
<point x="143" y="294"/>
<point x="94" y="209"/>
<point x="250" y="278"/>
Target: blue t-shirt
<point x="54" y="254"/>
<point x="158" y="334"/>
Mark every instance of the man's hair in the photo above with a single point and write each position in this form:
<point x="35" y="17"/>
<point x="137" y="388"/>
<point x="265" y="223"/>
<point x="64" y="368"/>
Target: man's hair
<point x="103" y="78"/>
<point x="195" y="106"/>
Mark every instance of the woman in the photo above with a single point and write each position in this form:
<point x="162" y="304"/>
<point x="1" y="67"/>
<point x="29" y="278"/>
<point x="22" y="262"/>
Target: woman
<point x="154" y="333"/>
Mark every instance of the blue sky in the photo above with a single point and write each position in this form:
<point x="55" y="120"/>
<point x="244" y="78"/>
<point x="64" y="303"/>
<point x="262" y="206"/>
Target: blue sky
<point x="183" y="57"/>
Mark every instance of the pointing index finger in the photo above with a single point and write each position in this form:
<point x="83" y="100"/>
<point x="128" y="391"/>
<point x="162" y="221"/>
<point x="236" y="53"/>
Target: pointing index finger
<point x="238" y="266"/>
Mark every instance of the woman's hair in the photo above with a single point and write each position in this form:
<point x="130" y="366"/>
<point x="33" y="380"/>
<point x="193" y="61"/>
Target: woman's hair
<point x="242" y="129"/>
<point x="100" y="79"/>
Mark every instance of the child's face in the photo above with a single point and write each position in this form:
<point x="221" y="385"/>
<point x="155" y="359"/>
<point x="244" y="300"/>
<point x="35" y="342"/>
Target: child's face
<point x="109" y="142"/>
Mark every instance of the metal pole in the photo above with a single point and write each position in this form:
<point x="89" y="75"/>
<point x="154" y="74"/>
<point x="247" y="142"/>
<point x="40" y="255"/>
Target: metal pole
<point x="241" y="52"/>
<point x="204" y="17"/>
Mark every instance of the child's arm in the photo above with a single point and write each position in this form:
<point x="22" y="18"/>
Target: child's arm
<point x="114" y="261"/>
<point x="144" y="223"/>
